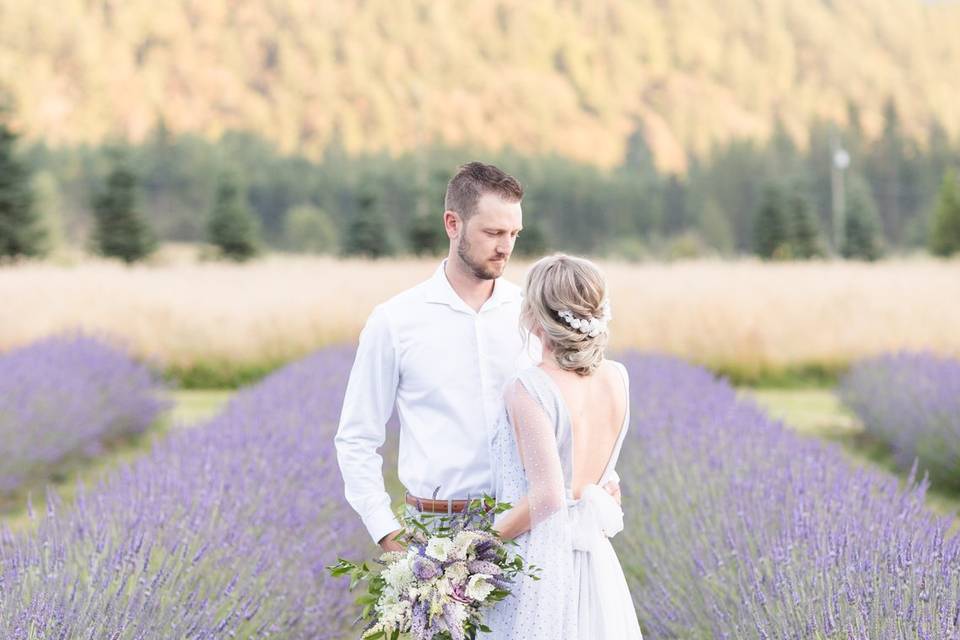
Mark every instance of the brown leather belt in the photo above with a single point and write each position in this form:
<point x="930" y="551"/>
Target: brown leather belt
<point x="428" y="505"/>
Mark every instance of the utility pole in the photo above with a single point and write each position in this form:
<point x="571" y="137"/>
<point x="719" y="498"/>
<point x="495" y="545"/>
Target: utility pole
<point x="839" y="162"/>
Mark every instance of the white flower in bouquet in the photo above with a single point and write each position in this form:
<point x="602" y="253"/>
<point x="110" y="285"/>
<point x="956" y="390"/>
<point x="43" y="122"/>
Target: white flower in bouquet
<point x="399" y="574"/>
<point x="457" y="572"/>
<point x="439" y="548"/>
<point x="479" y="587"/>
<point x="439" y="598"/>
<point x="443" y="587"/>
<point x="414" y="593"/>
<point x="389" y="557"/>
<point x="396" y="616"/>
<point x="389" y="597"/>
<point x="462" y="543"/>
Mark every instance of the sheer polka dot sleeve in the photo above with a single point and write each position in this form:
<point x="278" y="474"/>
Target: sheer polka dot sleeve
<point x="543" y="609"/>
<point x="537" y="444"/>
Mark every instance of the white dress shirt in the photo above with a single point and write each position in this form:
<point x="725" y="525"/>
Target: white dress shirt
<point x="444" y="366"/>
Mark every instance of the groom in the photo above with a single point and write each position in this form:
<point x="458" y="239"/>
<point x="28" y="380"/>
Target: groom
<point x="442" y="353"/>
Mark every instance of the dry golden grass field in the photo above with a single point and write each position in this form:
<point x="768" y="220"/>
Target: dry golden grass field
<point x="742" y="316"/>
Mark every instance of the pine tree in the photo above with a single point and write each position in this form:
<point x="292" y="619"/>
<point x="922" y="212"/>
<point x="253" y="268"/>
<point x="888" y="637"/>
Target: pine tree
<point x="427" y="236"/>
<point x="21" y="229"/>
<point x="121" y="231"/>
<point x="784" y="159"/>
<point x="862" y="230"/>
<point x="945" y="233"/>
<point x="804" y="229"/>
<point x="311" y="230"/>
<point x="675" y="206"/>
<point x="49" y="205"/>
<point x="714" y="227"/>
<point x="367" y="232"/>
<point x="233" y="228"/>
<point x="638" y="158"/>
<point x="532" y="241"/>
<point x="771" y="233"/>
<point x="890" y="158"/>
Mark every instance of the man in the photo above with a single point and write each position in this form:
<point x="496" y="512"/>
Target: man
<point x="442" y="353"/>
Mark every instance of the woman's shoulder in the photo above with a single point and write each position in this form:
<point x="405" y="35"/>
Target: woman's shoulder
<point x="520" y="375"/>
<point x="613" y="377"/>
<point x="533" y="371"/>
<point x="527" y="379"/>
<point x="617" y="367"/>
<point x="533" y="384"/>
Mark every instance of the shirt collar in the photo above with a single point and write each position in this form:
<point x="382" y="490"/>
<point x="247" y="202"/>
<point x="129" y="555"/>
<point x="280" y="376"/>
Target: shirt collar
<point x="440" y="290"/>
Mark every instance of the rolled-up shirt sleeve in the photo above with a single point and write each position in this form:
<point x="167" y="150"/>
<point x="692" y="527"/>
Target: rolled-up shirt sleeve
<point x="367" y="405"/>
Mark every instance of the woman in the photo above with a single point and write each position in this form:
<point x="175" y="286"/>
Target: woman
<point x="556" y="444"/>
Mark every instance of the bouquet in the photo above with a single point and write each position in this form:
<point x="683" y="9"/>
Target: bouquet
<point x="454" y="568"/>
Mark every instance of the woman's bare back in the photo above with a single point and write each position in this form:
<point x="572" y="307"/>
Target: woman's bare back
<point x="597" y="406"/>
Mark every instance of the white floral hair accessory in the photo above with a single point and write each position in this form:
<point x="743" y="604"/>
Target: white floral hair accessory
<point x="590" y="326"/>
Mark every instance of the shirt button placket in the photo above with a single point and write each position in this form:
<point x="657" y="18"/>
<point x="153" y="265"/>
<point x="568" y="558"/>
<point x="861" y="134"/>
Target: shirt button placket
<point x="480" y="367"/>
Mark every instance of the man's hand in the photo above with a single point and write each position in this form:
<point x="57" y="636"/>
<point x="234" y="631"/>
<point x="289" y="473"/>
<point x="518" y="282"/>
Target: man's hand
<point x="389" y="542"/>
<point x="613" y="488"/>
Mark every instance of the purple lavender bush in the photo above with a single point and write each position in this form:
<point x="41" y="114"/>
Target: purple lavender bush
<point x="738" y="528"/>
<point x="912" y="402"/>
<point x="67" y="395"/>
<point x="222" y="531"/>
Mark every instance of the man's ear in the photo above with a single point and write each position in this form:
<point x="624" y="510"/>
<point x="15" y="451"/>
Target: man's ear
<point x="452" y="223"/>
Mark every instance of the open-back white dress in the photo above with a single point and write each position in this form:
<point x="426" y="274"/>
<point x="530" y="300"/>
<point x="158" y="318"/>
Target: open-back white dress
<point x="582" y="593"/>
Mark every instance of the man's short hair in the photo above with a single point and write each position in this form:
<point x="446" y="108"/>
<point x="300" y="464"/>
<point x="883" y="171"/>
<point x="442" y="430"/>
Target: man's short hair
<point x="475" y="179"/>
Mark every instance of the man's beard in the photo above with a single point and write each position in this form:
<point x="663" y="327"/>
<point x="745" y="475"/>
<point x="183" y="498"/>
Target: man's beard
<point x="480" y="271"/>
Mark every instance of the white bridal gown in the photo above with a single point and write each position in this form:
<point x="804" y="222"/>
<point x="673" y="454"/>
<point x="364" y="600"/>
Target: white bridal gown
<point x="582" y="593"/>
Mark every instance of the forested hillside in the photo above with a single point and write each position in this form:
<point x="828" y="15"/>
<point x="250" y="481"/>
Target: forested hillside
<point x="575" y="78"/>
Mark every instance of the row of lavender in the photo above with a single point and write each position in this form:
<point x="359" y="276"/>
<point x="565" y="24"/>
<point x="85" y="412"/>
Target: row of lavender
<point x="912" y="402"/>
<point x="68" y="395"/>
<point x="222" y="531"/>
<point x="738" y="528"/>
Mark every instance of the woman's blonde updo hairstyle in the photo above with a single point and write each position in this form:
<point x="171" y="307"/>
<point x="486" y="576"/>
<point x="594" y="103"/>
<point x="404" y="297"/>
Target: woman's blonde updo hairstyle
<point x="561" y="282"/>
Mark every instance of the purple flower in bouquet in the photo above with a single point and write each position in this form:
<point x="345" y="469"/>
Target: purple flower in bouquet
<point x="425" y="569"/>
<point x="420" y="620"/>
<point x="453" y="620"/>
<point x="483" y="566"/>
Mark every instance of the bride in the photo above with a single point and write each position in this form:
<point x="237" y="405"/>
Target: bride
<point x="556" y="444"/>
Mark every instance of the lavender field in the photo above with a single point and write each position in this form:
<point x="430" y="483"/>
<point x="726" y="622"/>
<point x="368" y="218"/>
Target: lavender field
<point x="911" y="400"/>
<point x="737" y="528"/>
<point x="222" y="531"/>
<point x="69" y="395"/>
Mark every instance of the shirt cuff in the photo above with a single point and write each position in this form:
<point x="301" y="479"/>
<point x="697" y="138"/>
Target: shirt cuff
<point x="380" y="524"/>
